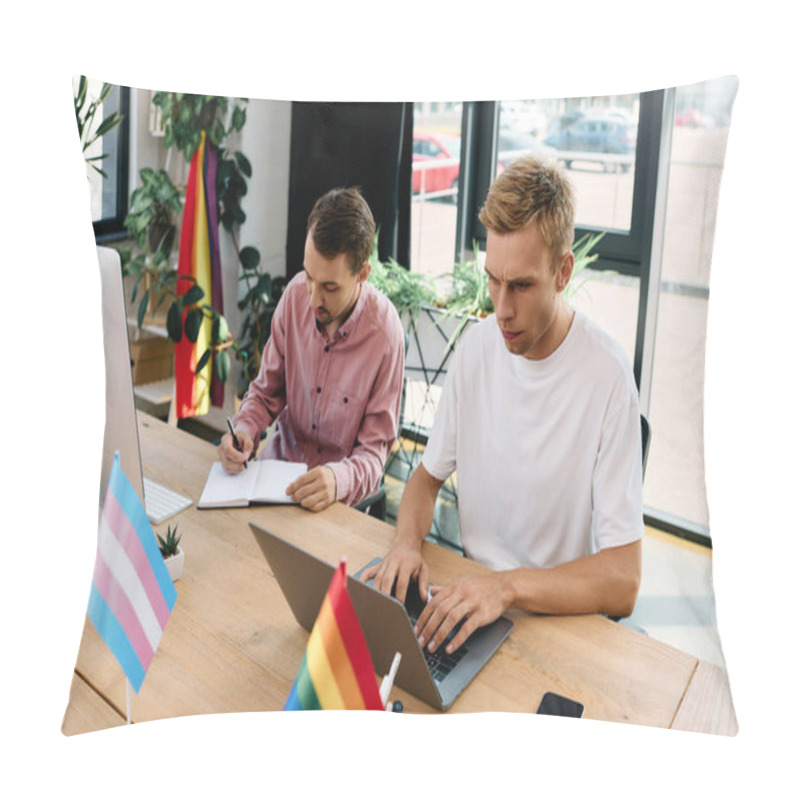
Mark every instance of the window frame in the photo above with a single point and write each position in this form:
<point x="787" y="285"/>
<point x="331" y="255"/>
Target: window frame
<point x="112" y="228"/>
<point x="635" y="253"/>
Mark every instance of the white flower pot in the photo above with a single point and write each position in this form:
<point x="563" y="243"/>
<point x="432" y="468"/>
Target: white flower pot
<point x="174" y="564"/>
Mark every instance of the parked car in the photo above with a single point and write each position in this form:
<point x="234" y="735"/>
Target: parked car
<point x="563" y="121"/>
<point x="597" y="135"/>
<point x="512" y="144"/>
<point x="522" y="117"/>
<point x="429" y="148"/>
<point x="692" y="118"/>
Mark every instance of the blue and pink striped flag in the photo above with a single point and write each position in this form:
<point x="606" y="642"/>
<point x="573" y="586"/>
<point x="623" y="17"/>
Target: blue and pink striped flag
<point x="132" y="594"/>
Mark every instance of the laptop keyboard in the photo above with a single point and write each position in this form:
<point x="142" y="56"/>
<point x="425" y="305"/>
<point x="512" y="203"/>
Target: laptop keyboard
<point x="441" y="663"/>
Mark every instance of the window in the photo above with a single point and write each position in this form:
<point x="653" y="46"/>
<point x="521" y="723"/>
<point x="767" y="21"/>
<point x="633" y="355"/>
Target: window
<point x="594" y="139"/>
<point x="435" y="172"/>
<point x="109" y="192"/>
<point x="646" y="168"/>
<point x="675" y="484"/>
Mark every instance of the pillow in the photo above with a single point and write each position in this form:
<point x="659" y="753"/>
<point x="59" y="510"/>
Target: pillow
<point x="273" y="162"/>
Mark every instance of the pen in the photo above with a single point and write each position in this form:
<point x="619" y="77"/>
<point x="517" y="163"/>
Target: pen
<point x="235" y="439"/>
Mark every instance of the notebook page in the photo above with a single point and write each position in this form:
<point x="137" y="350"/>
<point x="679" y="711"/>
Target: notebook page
<point x="273" y="478"/>
<point x="223" y="490"/>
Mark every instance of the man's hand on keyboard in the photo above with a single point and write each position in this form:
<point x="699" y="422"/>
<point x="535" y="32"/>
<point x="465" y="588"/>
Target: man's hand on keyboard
<point x="473" y="600"/>
<point x="402" y="565"/>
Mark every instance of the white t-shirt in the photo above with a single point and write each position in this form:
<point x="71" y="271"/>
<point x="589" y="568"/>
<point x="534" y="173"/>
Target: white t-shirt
<point x="547" y="453"/>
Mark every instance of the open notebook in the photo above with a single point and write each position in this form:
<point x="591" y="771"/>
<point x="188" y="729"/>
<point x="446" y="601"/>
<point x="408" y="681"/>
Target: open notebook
<point x="262" y="482"/>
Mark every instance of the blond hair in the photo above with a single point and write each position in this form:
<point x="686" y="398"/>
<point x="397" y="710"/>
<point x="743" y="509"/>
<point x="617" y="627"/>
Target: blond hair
<point x="527" y="191"/>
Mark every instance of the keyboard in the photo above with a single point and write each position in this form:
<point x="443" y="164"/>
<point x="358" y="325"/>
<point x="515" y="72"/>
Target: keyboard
<point x="162" y="503"/>
<point x="441" y="663"/>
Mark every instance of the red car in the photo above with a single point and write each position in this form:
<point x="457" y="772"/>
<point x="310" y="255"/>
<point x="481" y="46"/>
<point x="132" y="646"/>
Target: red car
<point x="436" y="162"/>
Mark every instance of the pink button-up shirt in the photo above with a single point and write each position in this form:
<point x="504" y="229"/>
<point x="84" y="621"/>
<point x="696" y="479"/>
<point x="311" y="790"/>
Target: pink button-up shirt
<point x="337" y="402"/>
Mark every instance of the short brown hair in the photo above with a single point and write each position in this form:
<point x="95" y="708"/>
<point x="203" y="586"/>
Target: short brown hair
<point x="342" y="222"/>
<point x="530" y="190"/>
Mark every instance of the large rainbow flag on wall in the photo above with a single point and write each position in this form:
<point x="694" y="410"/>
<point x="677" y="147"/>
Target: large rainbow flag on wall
<point x="132" y="594"/>
<point x="336" y="672"/>
<point x="198" y="257"/>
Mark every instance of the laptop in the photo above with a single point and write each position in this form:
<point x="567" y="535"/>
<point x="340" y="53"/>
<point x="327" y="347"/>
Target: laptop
<point x="437" y="679"/>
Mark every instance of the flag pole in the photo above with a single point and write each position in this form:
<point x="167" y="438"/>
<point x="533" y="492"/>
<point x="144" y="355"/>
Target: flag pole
<point x="388" y="681"/>
<point x="127" y="702"/>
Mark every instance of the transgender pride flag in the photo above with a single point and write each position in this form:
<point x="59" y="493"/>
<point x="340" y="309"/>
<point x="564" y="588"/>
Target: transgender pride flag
<point x="132" y="594"/>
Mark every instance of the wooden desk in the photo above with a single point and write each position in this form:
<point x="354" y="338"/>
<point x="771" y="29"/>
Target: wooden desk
<point x="232" y="643"/>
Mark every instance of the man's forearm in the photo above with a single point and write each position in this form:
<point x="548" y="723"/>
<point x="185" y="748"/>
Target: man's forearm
<point x="415" y="514"/>
<point x="606" y="583"/>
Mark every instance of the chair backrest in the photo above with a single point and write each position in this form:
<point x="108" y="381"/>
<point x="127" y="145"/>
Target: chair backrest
<point x="645" y="441"/>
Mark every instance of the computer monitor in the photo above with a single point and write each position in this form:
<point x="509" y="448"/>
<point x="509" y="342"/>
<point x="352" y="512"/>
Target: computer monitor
<point x="121" y="431"/>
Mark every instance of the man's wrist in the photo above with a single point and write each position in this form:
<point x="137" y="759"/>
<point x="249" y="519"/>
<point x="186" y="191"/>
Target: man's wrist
<point x="407" y="539"/>
<point x="507" y="588"/>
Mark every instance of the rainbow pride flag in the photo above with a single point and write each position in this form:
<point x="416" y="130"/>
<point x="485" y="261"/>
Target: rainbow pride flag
<point x="336" y="672"/>
<point x="198" y="257"/>
<point x="132" y="594"/>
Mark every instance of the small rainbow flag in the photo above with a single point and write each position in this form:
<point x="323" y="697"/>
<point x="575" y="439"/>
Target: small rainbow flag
<point x="336" y="672"/>
<point x="132" y="594"/>
<point x="198" y="258"/>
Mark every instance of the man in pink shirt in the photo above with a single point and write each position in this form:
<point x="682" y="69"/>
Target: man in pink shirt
<point x="332" y="369"/>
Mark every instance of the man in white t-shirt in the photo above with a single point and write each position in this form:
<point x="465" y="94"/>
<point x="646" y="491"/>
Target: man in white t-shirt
<point x="540" y="418"/>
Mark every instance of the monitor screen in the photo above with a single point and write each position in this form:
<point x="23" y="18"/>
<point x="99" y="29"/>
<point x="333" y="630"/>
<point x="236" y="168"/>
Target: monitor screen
<point x="121" y="432"/>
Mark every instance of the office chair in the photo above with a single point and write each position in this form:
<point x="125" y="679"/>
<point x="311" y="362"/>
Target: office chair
<point x="645" y="449"/>
<point x="375" y="505"/>
<point x="645" y="441"/>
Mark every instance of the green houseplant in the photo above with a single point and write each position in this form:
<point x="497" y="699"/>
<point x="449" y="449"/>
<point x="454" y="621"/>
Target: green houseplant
<point x="152" y="223"/>
<point x="185" y="117"/>
<point x="154" y="208"/>
<point x="86" y="108"/>
<point x="171" y="551"/>
<point x="408" y="291"/>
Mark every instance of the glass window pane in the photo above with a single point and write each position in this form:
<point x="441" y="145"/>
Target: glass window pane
<point x="675" y="480"/>
<point x="103" y="188"/>
<point x="435" y="169"/>
<point x="593" y="137"/>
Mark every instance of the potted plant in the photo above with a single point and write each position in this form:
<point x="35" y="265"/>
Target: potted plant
<point x="184" y="117"/>
<point x="172" y="552"/>
<point x="152" y="223"/>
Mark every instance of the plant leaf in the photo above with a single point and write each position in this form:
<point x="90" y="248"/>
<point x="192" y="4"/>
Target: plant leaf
<point x="192" y="323"/>
<point x="219" y="330"/>
<point x="174" y="329"/>
<point x="244" y="164"/>
<point x="222" y="365"/>
<point x="194" y="295"/>
<point x="249" y="257"/>
<point x="203" y="361"/>
<point x="143" y="307"/>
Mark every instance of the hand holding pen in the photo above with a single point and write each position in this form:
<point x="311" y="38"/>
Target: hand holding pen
<point x="241" y="443"/>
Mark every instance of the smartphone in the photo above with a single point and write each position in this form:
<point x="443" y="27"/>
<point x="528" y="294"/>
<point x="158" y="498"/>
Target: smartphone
<point x="557" y="706"/>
